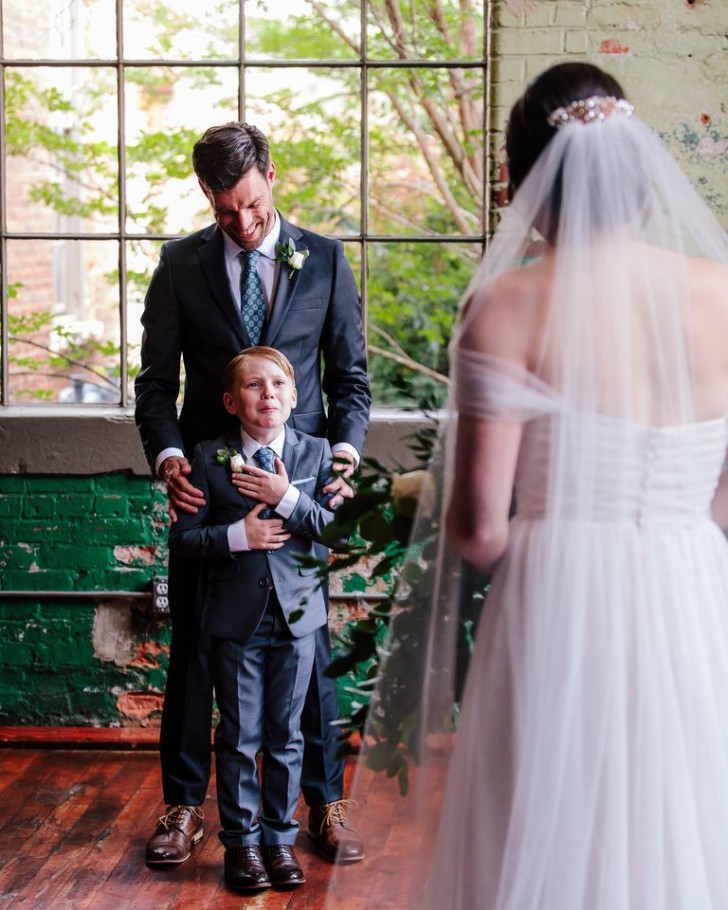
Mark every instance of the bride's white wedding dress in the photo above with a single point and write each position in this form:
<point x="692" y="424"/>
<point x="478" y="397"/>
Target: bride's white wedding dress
<point x="589" y="770"/>
<point x="591" y="759"/>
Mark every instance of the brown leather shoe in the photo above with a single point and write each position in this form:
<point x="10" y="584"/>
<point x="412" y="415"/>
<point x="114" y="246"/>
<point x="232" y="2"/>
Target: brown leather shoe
<point x="335" y="839"/>
<point x="177" y="831"/>
<point x="282" y="866"/>
<point x="244" y="869"/>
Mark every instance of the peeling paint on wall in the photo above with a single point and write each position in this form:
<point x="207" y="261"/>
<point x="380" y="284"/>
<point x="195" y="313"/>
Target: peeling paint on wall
<point x="140" y="706"/>
<point x="521" y="7"/>
<point x="135" y="556"/>
<point x="612" y="46"/>
<point x="112" y="635"/>
<point x="147" y="655"/>
<point x="711" y="147"/>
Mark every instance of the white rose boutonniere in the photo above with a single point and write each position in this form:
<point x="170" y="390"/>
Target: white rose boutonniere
<point x="290" y="256"/>
<point x="230" y="457"/>
<point x="237" y="462"/>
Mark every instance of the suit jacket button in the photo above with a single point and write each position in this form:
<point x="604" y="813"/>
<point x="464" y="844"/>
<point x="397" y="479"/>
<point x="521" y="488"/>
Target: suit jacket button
<point x="262" y="582"/>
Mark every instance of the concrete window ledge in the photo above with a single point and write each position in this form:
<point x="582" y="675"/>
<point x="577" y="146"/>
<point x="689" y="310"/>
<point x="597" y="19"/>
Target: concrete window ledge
<point x="62" y="440"/>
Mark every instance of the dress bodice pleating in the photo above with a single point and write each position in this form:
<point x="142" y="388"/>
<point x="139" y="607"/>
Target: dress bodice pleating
<point x="637" y="474"/>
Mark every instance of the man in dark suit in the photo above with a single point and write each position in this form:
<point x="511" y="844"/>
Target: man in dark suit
<point x="193" y="314"/>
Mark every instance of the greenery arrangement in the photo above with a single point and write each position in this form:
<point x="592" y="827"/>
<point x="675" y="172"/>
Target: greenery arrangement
<point x="386" y="646"/>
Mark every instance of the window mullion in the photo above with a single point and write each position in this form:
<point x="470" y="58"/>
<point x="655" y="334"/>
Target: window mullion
<point x="364" y="165"/>
<point x="121" y="159"/>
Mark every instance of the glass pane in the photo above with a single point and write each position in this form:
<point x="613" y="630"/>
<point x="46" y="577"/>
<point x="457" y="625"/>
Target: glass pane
<point x="180" y="30"/>
<point x="301" y="30"/>
<point x="423" y="30"/>
<point x="312" y="119"/>
<point x="142" y="257"/>
<point x="59" y="29"/>
<point x="426" y="151"/>
<point x="352" y="252"/>
<point x="167" y="110"/>
<point x="63" y="321"/>
<point x="61" y="129"/>
<point x="414" y="292"/>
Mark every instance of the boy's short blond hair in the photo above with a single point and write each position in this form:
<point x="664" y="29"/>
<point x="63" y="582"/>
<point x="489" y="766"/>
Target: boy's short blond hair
<point x="233" y="369"/>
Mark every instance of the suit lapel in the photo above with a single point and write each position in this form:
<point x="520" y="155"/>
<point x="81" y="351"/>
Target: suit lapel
<point x="233" y="441"/>
<point x="212" y="261"/>
<point x="290" y="453"/>
<point x="285" y="289"/>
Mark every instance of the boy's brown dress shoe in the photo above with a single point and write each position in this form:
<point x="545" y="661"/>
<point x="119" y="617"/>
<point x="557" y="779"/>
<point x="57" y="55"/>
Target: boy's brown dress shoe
<point x="282" y="866"/>
<point x="177" y="831"/>
<point x="244" y="869"/>
<point x="335" y="840"/>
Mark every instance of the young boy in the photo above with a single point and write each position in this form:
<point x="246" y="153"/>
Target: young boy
<point x="260" y="608"/>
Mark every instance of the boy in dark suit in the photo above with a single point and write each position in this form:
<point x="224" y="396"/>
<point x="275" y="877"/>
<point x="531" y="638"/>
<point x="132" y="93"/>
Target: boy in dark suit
<point x="263" y="507"/>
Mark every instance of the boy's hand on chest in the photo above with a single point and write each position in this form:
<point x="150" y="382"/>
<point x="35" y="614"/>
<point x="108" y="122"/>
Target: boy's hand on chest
<point x="258" y="484"/>
<point x="264" y="533"/>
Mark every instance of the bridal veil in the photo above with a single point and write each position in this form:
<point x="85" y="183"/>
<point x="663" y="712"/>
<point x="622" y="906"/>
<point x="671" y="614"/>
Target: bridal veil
<point x="578" y="696"/>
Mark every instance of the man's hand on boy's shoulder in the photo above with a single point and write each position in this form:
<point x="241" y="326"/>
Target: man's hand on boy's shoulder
<point x="264" y="533"/>
<point x="183" y="497"/>
<point x="344" y="466"/>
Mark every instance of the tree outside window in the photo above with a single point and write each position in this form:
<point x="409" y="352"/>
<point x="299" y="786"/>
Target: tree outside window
<point x="375" y="112"/>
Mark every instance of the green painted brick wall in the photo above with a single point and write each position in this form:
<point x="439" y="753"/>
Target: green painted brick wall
<point x="78" y="661"/>
<point x="80" y="533"/>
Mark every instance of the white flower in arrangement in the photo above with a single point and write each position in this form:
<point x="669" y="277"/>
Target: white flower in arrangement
<point x="290" y="256"/>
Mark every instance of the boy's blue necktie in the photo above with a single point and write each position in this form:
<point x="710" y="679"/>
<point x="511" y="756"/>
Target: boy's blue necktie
<point x="266" y="459"/>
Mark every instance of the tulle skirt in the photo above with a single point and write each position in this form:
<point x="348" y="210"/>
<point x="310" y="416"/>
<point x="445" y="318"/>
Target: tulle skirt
<point x="590" y="769"/>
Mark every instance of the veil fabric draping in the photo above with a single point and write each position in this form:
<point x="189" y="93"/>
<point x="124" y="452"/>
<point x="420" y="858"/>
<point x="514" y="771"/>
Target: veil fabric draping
<point x="585" y="766"/>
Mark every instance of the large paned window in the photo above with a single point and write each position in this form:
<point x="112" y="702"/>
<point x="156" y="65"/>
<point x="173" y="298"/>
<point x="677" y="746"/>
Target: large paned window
<point x="376" y="114"/>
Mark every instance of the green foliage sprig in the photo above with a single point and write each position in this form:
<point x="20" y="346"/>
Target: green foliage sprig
<point x="379" y="523"/>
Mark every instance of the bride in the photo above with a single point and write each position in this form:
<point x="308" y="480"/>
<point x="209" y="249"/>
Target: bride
<point x="590" y="765"/>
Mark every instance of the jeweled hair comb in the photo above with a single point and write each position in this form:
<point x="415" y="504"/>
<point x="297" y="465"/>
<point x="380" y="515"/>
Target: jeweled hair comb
<point x="590" y="110"/>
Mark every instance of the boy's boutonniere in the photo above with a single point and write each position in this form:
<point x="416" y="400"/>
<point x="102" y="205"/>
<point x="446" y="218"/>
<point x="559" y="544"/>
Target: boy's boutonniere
<point x="290" y="256"/>
<point x="231" y="457"/>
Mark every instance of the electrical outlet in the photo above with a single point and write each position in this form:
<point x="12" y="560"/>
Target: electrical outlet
<point x="160" y="595"/>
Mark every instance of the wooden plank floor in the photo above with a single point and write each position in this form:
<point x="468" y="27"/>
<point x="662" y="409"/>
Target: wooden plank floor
<point x="74" y="824"/>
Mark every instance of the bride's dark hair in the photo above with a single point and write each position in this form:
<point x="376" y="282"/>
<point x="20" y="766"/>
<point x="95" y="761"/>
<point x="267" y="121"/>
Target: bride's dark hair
<point x="528" y="131"/>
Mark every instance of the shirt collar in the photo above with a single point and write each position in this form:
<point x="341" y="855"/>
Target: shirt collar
<point x="251" y="446"/>
<point x="267" y="246"/>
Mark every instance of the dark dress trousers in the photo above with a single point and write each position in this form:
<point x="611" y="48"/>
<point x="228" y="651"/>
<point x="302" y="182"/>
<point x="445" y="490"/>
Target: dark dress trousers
<point x="262" y="649"/>
<point x="191" y="317"/>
